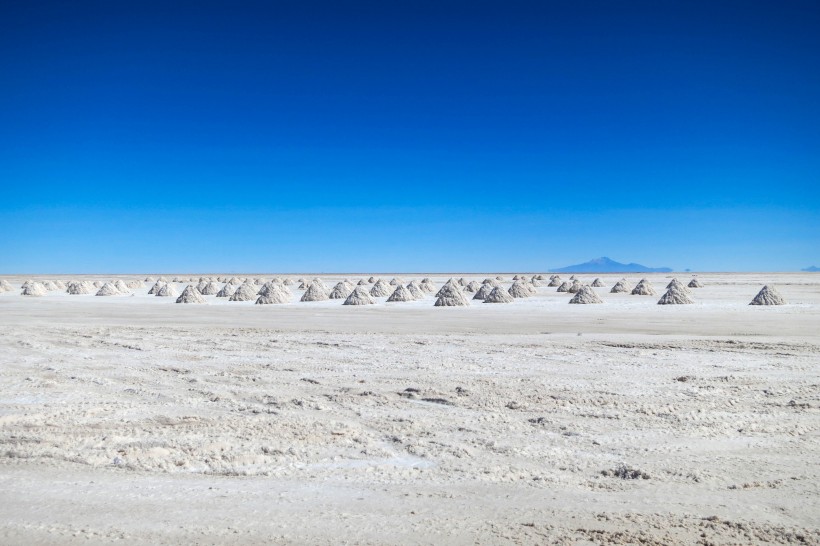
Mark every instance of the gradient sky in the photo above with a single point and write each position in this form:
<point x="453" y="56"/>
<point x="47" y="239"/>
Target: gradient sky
<point x="408" y="136"/>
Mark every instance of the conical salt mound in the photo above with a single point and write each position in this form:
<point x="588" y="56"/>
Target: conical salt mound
<point x="51" y="286"/>
<point x="428" y="286"/>
<point x="677" y="285"/>
<point x="34" y="289"/>
<point x="108" y="289"/>
<point x="499" y="278"/>
<point x="620" y="286"/>
<point x="768" y="295"/>
<point x="210" y="289"/>
<point x="133" y="284"/>
<point x="491" y="282"/>
<point x="575" y="287"/>
<point x="517" y="278"/>
<point x="121" y="287"/>
<point x="362" y="282"/>
<point x="499" y="295"/>
<point x="371" y="280"/>
<point x="694" y="283"/>
<point x="314" y="292"/>
<point x="472" y="286"/>
<point x="564" y="287"/>
<point x="274" y="293"/>
<point x="519" y="290"/>
<point x="303" y="285"/>
<point x="675" y="296"/>
<point x="536" y="282"/>
<point x="451" y="295"/>
<point x="573" y="278"/>
<point x="149" y="279"/>
<point x="234" y="281"/>
<point x="245" y="292"/>
<point x="78" y="288"/>
<point x="359" y="296"/>
<point x="61" y="285"/>
<point x="597" y="283"/>
<point x="415" y="290"/>
<point x="288" y="282"/>
<point x="643" y="288"/>
<point x="341" y="291"/>
<point x="201" y="286"/>
<point x="97" y="284"/>
<point x="586" y="295"/>
<point x="401" y="294"/>
<point x="167" y="290"/>
<point x="227" y="291"/>
<point x="484" y="291"/>
<point x="5" y="286"/>
<point x="395" y="281"/>
<point x="380" y="290"/>
<point x="555" y="281"/>
<point x="273" y="297"/>
<point x="190" y="295"/>
<point x="157" y="285"/>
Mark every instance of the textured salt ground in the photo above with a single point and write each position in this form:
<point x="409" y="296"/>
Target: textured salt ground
<point x="175" y="428"/>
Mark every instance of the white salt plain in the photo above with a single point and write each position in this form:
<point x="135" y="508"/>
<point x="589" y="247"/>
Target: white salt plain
<point x="137" y="419"/>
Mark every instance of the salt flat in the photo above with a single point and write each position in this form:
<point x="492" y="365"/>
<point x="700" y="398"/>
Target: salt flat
<point x="133" y="418"/>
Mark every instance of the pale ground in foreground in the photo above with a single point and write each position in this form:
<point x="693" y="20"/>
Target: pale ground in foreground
<point x="135" y="419"/>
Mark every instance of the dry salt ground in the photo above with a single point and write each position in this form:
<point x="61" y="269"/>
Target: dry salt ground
<point x="134" y="419"/>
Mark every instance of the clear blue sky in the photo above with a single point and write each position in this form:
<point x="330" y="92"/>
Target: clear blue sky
<point x="396" y="136"/>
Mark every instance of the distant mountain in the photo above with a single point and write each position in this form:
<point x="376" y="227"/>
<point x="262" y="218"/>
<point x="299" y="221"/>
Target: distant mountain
<point x="811" y="269"/>
<point x="605" y="265"/>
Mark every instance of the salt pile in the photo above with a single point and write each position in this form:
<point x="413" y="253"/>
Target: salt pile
<point x="620" y="286"/>
<point x="5" y="286"/>
<point x="677" y="285"/>
<point x="245" y="292"/>
<point x="371" y="280"/>
<point x="564" y="287"/>
<point x="314" y="292"/>
<point x="361" y="282"/>
<point x="341" y="291"/>
<point x="472" y="286"/>
<point x="484" y="291"/>
<point x="226" y="291"/>
<point x="415" y="289"/>
<point x="518" y="290"/>
<point x="768" y="295"/>
<point x="535" y="281"/>
<point x="167" y="290"/>
<point x="451" y="295"/>
<point x="288" y="282"/>
<point x="428" y="285"/>
<point x="491" y="282"/>
<point x="573" y="278"/>
<point x="154" y="289"/>
<point x="675" y="296"/>
<point x="134" y="284"/>
<point x="598" y="283"/>
<point x="121" y="287"/>
<point x="586" y="295"/>
<point x="149" y="279"/>
<point x="211" y="288"/>
<point x="108" y="289"/>
<point x="34" y="289"/>
<point x="575" y="286"/>
<point x="97" y="284"/>
<point x="643" y="288"/>
<point x="51" y="286"/>
<point x="694" y="283"/>
<point x="380" y="290"/>
<point x="450" y="283"/>
<point x="359" y="296"/>
<point x="79" y="287"/>
<point x="273" y="293"/>
<point x="396" y="281"/>
<point x="401" y="294"/>
<point x="190" y="295"/>
<point x="499" y="295"/>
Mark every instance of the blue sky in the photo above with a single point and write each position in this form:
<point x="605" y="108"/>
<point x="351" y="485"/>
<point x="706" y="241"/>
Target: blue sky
<point x="423" y="136"/>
